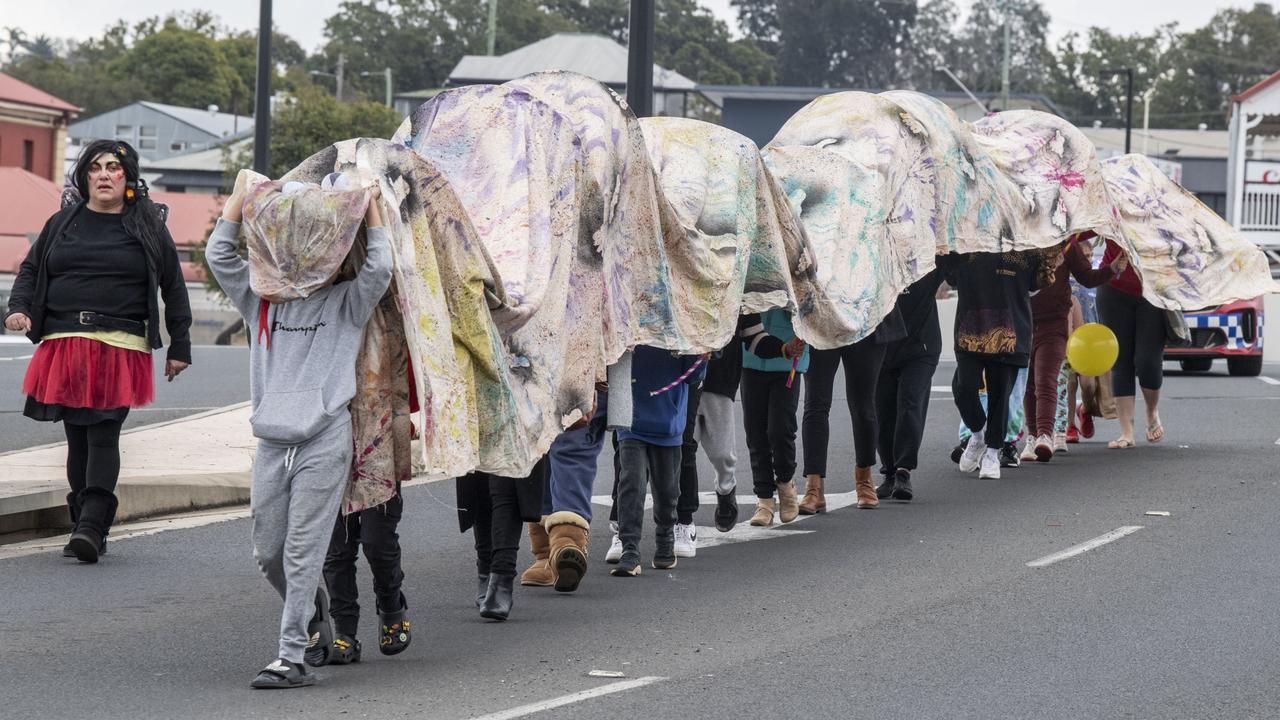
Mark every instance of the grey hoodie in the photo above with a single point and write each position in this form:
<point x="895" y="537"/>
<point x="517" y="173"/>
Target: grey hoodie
<point x="303" y="362"/>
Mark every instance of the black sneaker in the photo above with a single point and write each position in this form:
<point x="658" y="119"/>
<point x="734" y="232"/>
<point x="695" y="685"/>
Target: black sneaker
<point x="726" y="511"/>
<point x="1009" y="456"/>
<point x="282" y="674"/>
<point x="664" y="562"/>
<point x="957" y="452"/>
<point x="346" y="650"/>
<point x="319" y="632"/>
<point x="628" y="566"/>
<point x="885" y="490"/>
<point x="902" y="485"/>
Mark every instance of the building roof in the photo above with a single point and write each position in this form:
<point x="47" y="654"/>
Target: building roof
<point x="200" y="161"/>
<point x="1270" y="80"/>
<point x="14" y="90"/>
<point x="191" y="215"/>
<point x="29" y="200"/>
<point x="1176" y="144"/>
<point x="217" y="124"/>
<point x="595" y="56"/>
<point x="719" y="93"/>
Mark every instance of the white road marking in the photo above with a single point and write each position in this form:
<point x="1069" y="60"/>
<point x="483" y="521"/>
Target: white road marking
<point x="531" y="708"/>
<point x="1269" y="380"/>
<point x="940" y="388"/>
<point x="1085" y="546"/>
<point x="28" y="357"/>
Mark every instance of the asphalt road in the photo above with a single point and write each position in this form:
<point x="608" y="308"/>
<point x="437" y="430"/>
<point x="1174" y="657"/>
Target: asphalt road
<point x="218" y="376"/>
<point x="921" y="610"/>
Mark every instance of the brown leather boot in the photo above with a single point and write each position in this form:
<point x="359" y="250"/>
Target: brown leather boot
<point x="866" y="489"/>
<point x="540" y="574"/>
<point x="788" y="509"/>
<point x="764" y="513"/>
<point x="815" y="500"/>
<point x="569" y="539"/>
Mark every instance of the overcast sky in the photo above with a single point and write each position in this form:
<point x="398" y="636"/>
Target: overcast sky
<point x="304" y="19"/>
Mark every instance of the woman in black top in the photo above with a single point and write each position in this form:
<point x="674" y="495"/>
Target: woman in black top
<point x="86" y="293"/>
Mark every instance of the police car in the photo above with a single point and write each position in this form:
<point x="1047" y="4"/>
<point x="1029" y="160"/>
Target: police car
<point x="1232" y="332"/>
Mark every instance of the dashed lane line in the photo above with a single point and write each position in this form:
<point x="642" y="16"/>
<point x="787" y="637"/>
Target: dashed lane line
<point x="1085" y="546"/>
<point x="532" y="708"/>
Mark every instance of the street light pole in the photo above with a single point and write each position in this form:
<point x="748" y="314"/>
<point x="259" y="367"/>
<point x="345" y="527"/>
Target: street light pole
<point x="1128" y="111"/>
<point x="262" y="92"/>
<point x="386" y="73"/>
<point x="640" y="58"/>
<point x="1004" y="68"/>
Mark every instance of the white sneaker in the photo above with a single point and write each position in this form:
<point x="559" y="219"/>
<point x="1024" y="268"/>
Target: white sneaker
<point x="1044" y="448"/>
<point x="686" y="540"/>
<point x="1060" y="442"/>
<point x="615" y="547"/>
<point x="990" y="465"/>
<point x="1028" y="450"/>
<point x="973" y="453"/>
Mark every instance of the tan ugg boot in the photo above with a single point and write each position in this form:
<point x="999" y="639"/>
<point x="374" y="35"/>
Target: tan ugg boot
<point x="866" y="489"/>
<point x="569" y="537"/>
<point x="815" y="500"/>
<point x="788" y="509"/>
<point x="541" y="573"/>
<point x="764" y="513"/>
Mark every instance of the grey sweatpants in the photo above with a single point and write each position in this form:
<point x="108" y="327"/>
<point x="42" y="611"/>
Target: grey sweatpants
<point x="295" y="497"/>
<point x="715" y="429"/>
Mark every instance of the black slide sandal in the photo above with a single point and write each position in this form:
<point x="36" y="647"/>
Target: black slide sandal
<point x="282" y="675"/>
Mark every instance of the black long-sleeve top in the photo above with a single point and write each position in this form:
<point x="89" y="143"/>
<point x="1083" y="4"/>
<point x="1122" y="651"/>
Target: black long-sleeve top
<point x="993" y="310"/>
<point x="85" y="261"/>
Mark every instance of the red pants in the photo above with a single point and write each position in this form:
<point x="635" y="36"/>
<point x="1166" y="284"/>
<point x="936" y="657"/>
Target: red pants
<point x="1048" y="349"/>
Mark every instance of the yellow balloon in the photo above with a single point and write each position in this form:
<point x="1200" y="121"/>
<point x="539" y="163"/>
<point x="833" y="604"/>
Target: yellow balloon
<point x="1092" y="349"/>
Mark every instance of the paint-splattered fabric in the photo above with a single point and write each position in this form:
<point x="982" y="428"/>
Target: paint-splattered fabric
<point x="1187" y="256"/>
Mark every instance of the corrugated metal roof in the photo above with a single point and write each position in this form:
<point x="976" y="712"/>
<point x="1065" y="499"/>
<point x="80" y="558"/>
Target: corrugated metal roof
<point x="595" y="56"/>
<point x="718" y="93"/>
<point x="14" y="90"/>
<point x="217" y="124"/>
<point x="202" y="160"/>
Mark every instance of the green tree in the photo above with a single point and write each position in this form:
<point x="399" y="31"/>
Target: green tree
<point x="978" y="56"/>
<point x="312" y="119"/>
<point x="181" y="66"/>
<point x="832" y="43"/>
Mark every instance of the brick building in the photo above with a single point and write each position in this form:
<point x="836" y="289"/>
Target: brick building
<point x="33" y="129"/>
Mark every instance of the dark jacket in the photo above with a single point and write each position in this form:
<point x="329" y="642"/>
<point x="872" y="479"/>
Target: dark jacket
<point x="993" y="309"/>
<point x="918" y="308"/>
<point x="724" y="370"/>
<point x="474" y="498"/>
<point x="164" y="273"/>
<point x="660" y="419"/>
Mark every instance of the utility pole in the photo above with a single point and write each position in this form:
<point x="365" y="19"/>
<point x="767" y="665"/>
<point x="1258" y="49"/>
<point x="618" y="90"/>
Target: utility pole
<point x="386" y="73"/>
<point x="1004" y="70"/>
<point x="262" y="92"/>
<point x="1128" y="107"/>
<point x="640" y="58"/>
<point x="493" y="24"/>
<point x="342" y="65"/>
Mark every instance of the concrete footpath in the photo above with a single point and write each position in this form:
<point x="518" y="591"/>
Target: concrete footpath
<point x="200" y="461"/>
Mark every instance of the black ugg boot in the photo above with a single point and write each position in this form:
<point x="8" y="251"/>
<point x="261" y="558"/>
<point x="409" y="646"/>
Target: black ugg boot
<point x="73" y="509"/>
<point x="497" y="599"/>
<point x="397" y="631"/>
<point x="97" y="510"/>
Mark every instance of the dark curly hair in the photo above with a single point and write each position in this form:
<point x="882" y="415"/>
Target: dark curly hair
<point x="142" y="218"/>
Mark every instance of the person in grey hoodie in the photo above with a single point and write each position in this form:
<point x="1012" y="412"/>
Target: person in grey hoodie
<point x="302" y="378"/>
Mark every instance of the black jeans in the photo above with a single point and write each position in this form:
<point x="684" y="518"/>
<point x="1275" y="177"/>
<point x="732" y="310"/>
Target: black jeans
<point x="902" y="404"/>
<point x="967" y="384"/>
<point x="689" y="502"/>
<point x="769" y="416"/>
<point x="375" y="530"/>
<point x="657" y="466"/>
<point x="93" y="465"/>
<point x="498" y="527"/>
<point x="862" y="361"/>
<point x="1140" y="330"/>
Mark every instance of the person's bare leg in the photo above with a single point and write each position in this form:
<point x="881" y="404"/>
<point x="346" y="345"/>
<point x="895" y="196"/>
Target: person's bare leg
<point x="1155" y="431"/>
<point x="1124" y="411"/>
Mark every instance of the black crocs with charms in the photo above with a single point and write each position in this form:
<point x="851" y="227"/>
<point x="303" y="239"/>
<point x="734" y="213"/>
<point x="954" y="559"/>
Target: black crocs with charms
<point x="396" y="629"/>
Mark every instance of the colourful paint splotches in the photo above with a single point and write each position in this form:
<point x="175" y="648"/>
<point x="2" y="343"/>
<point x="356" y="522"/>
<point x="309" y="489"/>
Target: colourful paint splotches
<point x="540" y="230"/>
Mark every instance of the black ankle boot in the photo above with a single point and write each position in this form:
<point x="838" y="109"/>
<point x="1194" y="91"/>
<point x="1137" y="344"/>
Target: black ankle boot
<point x="902" y="485"/>
<point x="397" y="631"/>
<point x="886" y="488"/>
<point x="497" y="599"/>
<point x="97" y="510"/>
<point x="73" y="509"/>
<point x="482" y="590"/>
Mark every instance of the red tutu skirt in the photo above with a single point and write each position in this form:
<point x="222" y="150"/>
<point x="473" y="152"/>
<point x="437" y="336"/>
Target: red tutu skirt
<point x="77" y="372"/>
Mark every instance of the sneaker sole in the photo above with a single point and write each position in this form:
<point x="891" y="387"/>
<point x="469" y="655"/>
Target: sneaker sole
<point x="662" y="565"/>
<point x="686" y="553"/>
<point x="571" y="566"/>
<point x="1044" y="454"/>
<point x="620" y="572"/>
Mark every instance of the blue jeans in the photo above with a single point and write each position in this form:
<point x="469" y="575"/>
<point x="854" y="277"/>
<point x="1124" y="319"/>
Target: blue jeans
<point x="574" y="456"/>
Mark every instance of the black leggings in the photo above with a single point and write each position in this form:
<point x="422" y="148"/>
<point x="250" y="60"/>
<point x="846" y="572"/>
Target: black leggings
<point x="375" y="530"/>
<point x="497" y="526"/>
<point x="1140" y="329"/>
<point x="93" y="456"/>
<point x="862" y="361"/>
<point x="966" y="386"/>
